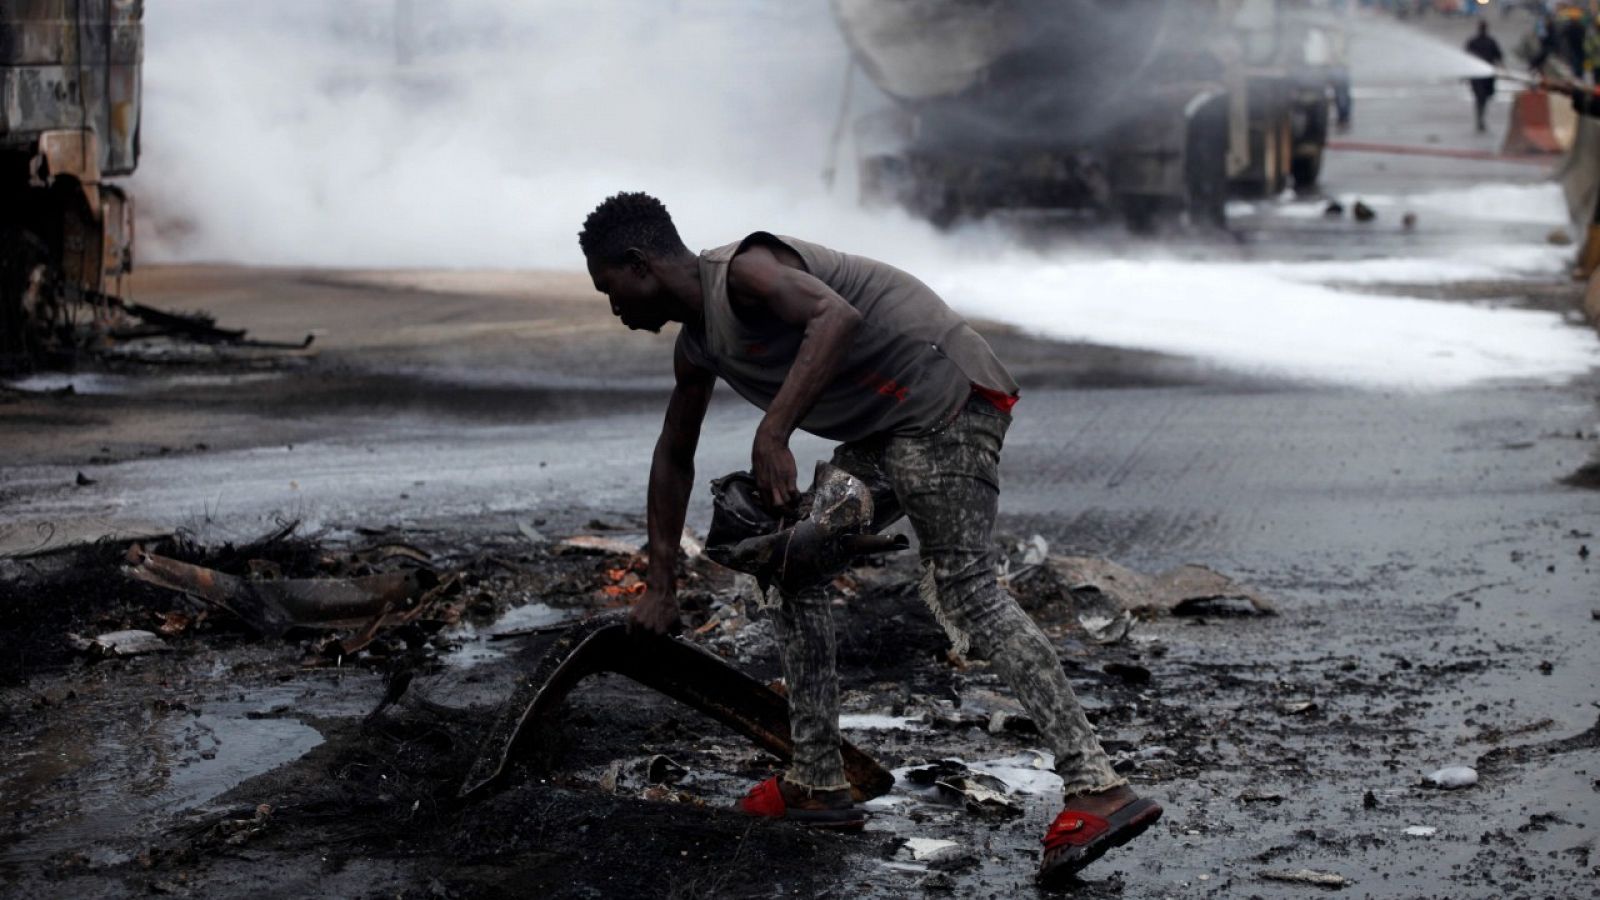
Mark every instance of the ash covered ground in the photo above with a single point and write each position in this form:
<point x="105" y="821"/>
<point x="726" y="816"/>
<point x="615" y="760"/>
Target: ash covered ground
<point x="1422" y="550"/>
<point x="1427" y="552"/>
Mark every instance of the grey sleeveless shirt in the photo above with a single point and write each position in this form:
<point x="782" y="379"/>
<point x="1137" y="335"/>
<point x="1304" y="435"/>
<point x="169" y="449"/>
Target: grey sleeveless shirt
<point x="911" y="365"/>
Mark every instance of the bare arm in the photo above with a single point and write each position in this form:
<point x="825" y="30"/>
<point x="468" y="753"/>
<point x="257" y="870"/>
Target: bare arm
<point x="671" y="480"/>
<point x="758" y="278"/>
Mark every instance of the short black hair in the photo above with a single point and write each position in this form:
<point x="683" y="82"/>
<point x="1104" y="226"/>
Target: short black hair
<point x="625" y="220"/>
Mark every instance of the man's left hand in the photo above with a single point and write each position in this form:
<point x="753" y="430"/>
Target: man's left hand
<point x="773" y="465"/>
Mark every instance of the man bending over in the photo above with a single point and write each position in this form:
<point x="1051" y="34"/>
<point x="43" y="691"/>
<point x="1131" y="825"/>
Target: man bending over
<point x="856" y="351"/>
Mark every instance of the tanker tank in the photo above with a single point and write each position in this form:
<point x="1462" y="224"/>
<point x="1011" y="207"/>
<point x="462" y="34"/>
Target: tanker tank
<point x="1126" y="107"/>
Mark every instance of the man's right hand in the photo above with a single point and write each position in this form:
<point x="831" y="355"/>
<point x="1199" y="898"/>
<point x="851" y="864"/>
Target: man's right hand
<point x="655" y="612"/>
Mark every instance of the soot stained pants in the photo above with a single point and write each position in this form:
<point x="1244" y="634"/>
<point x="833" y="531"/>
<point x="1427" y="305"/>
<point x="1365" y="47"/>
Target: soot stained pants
<point x="948" y="484"/>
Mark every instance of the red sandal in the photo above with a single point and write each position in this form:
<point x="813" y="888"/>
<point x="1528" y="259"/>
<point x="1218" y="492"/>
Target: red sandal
<point x="1077" y="838"/>
<point x="766" y="799"/>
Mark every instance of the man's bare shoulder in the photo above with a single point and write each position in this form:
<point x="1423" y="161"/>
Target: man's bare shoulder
<point x="757" y="267"/>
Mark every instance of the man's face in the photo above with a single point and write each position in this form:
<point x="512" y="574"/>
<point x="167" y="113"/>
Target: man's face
<point x="636" y="295"/>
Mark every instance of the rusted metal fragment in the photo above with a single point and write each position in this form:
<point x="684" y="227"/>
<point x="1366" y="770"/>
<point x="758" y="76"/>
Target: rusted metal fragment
<point x="981" y="793"/>
<point x="672" y="666"/>
<point x="747" y="537"/>
<point x="396" y="612"/>
<point x="273" y="607"/>
<point x="385" y="552"/>
<point x="194" y="326"/>
<point x="1183" y="591"/>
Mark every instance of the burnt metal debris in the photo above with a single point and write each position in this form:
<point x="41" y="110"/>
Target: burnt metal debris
<point x="831" y="530"/>
<point x="672" y="666"/>
<point x="70" y="86"/>
<point x="981" y="794"/>
<point x="198" y="327"/>
<point x="70" y="73"/>
<point x="272" y="608"/>
<point x="1187" y="590"/>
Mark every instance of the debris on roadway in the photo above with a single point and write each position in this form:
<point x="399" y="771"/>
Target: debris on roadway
<point x="1307" y="876"/>
<point x="1451" y="778"/>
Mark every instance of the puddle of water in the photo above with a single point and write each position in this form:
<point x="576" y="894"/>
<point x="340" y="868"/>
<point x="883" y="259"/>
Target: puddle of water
<point x="240" y="749"/>
<point x="474" y="649"/>
<point x="477" y="646"/>
<point x="529" y="616"/>
<point x="921" y="847"/>
<point x="95" y="795"/>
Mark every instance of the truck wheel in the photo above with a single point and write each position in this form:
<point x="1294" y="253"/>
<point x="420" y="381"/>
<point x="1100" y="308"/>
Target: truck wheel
<point x="1140" y="213"/>
<point x="1310" y="136"/>
<point x="1206" y="164"/>
<point x="20" y="254"/>
<point x="1305" y="168"/>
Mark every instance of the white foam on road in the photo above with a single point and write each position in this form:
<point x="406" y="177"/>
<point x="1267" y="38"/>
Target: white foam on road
<point x="1276" y="319"/>
<point x="1540" y="203"/>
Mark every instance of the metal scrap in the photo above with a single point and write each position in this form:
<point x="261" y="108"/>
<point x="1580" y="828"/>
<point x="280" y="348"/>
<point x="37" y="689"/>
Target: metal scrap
<point x="120" y="644"/>
<point x="833" y="528"/>
<point x="272" y="608"/>
<point x="194" y="326"/>
<point x="981" y="794"/>
<point x="1186" y="590"/>
<point x="1107" y="629"/>
<point x="672" y="666"/>
<point x="1306" y="876"/>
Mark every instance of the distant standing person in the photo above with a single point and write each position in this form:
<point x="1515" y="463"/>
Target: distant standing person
<point x="1487" y="49"/>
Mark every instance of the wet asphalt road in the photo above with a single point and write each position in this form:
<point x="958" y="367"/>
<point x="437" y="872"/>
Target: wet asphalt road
<point x="1423" y="552"/>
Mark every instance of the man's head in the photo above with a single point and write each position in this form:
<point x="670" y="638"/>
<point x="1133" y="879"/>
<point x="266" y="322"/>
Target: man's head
<point x="625" y="241"/>
<point x="1483" y="28"/>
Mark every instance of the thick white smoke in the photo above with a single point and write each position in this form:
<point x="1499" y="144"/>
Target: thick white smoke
<point x="295" y="132"/>
<point x="301" y="132"/>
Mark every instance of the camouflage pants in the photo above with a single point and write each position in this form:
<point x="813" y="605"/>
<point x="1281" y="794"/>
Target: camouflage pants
<point x="948" y="484"/>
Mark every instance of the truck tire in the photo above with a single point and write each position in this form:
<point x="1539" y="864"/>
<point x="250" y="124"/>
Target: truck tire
<point x="20" y="253"/>
<point x="1310" y="137"/>
<point x="1206" y="163"/>
<point x="1306" y="167"/>
<point x="1140" y="214"/>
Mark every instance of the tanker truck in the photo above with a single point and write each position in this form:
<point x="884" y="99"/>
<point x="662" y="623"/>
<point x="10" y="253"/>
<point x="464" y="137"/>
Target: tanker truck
<point x="69" y="121"/>
<point x="1137" y="108"/>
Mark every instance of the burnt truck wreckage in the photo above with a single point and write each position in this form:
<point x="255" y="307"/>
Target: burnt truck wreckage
<point x="1137" y="108"/>
<point x="70" y="85"/>
<point x="69" y="121"/>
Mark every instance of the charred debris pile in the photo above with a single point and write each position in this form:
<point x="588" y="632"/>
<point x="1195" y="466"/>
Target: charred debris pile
<point x="373" y="595"/>
<point x="468" y="761"/>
